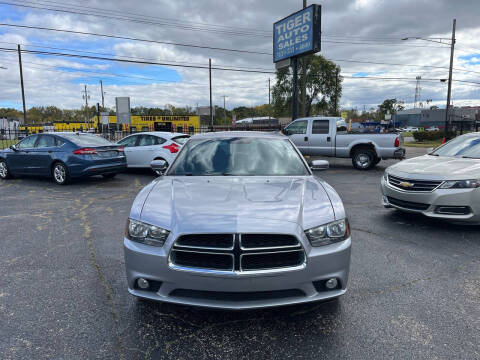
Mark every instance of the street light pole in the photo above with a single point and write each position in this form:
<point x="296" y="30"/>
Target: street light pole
<point x="447" y="109"/>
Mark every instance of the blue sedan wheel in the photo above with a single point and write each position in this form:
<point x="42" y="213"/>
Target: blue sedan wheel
<point x="4" y="173"/>
<point x="60" y="174"/>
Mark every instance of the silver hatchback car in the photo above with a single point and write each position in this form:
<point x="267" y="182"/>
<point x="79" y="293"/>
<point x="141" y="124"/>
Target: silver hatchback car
<point x="238" y="221"/>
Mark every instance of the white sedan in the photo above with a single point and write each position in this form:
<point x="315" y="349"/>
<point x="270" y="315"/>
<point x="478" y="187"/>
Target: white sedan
<point x="140" y="149"/>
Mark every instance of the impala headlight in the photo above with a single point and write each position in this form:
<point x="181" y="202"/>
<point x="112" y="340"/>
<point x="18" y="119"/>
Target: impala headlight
<point x="461" y="184"/>
<point x="145" y="233"/>
<point x="330" y="233"/>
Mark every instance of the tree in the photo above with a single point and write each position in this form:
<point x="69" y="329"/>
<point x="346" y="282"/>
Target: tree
<point x="390" y="105"/>
<point x="323" y="83"/>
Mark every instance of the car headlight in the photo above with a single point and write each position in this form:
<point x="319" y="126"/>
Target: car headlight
<point x="461" y="184"/>
<point x="145" y="233"/>
<point x="385" y="176"/>
<point x="330" y="233"/>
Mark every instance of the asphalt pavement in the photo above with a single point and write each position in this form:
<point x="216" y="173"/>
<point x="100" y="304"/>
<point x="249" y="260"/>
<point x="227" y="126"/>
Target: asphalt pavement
<point x="414" y="289"/>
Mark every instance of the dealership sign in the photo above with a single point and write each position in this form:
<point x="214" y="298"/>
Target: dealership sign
<point x="297" y="34"/>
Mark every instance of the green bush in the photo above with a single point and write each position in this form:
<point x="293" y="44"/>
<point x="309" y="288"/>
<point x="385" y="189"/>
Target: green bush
<point x="430" y="135"/>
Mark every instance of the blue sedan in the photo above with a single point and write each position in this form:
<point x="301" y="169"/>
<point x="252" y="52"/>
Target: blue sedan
<point x="62" y="156"/>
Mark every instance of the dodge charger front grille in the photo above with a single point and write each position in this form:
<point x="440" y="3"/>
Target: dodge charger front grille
<point x="236" y="253"/>
<point x="413" y="185"/>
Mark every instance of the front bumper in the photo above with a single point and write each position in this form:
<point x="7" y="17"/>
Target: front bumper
<point x="434" y="201"/>
<point x="238" y="291"/>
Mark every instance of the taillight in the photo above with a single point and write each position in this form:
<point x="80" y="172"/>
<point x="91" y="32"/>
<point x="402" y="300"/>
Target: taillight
<point x="120" y="149"/>
<point x="397" y="142"/>
<point x="85" y="151"/>
<point x="173" y="148"/>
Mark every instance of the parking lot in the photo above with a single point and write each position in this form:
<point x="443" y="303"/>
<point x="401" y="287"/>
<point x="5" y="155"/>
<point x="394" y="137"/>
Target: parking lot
<point x="414" y="289"/>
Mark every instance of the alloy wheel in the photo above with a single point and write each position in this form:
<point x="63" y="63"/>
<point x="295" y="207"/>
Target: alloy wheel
<point x="3" y="170"/>
<point x="59" y="173"/>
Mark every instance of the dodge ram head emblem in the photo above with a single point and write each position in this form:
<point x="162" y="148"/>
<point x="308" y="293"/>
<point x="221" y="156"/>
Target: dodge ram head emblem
<point x="406" y="184"/>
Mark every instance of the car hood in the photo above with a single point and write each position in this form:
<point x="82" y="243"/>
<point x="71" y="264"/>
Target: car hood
<point x="438" y="167"/>
<point x="203" y="204"/>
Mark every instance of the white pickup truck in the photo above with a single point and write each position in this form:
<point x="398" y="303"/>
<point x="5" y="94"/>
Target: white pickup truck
<point x="328" y="136"/>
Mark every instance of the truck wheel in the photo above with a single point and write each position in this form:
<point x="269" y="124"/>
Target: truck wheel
<point x="363" y="159"/>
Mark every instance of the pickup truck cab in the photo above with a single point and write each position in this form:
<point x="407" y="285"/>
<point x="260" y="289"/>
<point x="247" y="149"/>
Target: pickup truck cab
<point x="328" y="136"/>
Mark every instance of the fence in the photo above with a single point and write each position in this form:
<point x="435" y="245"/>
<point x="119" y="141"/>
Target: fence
<point x="10" y="137"/>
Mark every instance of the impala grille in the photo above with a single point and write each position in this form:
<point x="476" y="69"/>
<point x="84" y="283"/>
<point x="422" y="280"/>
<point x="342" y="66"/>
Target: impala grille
<point x="236" y="253"/>
<point x="413" y="185"/>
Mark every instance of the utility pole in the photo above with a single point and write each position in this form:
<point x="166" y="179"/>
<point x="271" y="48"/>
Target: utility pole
<point x="449" y="91"/>
<point x="86" y="97"/>
<point x="336" y="92"/>
<point x="103" y="99"/>
<point x="210" y="83"/>
<point x="21" y="83"/>
<point x="303" y="90"/>
<point x="224" y="111"/>
<point x="269" y="109"/>
<point x="294" y="90"/>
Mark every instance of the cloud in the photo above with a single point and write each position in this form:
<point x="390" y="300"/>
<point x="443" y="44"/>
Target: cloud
<point x="349" y="28"/>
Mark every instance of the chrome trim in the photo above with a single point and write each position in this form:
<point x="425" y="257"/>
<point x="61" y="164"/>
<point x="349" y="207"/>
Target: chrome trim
<point x="412" y="180"/>
<point x="248" y="251"/>
<point x="176" y="245"/>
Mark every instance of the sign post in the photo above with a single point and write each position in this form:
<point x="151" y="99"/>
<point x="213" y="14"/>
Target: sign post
<point x="296" y="35"/>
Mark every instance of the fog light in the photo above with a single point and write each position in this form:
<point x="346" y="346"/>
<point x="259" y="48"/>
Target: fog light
<point x="331" y="283"/>
<point x="142" y="283"/>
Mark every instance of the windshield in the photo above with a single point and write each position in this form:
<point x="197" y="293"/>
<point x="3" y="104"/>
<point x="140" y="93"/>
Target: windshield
<point x="243" y="156"/>
<point x="182" y="139"/>
<point x="87" y="139"/>
<point x="463" y="146"/>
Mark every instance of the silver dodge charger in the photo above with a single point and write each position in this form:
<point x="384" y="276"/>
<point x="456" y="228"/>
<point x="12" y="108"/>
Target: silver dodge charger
<point x="238" y="221"/>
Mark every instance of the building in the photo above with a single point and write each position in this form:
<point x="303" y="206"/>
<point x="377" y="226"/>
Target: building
<point x="460" y="117"/>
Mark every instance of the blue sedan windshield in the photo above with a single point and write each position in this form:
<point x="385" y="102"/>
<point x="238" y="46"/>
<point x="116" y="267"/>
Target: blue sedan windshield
<point x="243" y="156"/>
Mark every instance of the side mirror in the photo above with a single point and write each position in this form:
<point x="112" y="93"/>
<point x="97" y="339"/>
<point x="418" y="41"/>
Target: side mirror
<point x="159" y="166"/>
<point x="13" y="147"/>
<point x="319" y="165"/>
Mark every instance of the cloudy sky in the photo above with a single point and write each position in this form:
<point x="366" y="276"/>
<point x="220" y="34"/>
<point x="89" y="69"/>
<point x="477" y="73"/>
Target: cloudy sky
<point x="355" y="34"/>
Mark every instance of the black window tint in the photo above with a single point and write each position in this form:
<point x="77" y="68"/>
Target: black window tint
<point x="45" y="141"/>
<point x="297" y="127"/>
<point x="129" y="141"/>
<point x="181" y="139"/>
<point x="320" y="126"/>
<point x="238" y="156"/>
<point x="159" y="140"/>
<point x="146" y="140"/>
<point x="87" y="139"/>
<point x="28" y="142"/>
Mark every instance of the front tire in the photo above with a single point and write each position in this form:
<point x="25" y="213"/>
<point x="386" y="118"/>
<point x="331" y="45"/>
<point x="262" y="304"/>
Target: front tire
<point x="4" y="172"/>
<point x="363" y="159"/>
<point x="60" y="174"/>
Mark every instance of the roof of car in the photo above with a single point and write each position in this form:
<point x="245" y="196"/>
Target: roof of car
<point x="230" y="134"/>
<point x="166" y="134"/>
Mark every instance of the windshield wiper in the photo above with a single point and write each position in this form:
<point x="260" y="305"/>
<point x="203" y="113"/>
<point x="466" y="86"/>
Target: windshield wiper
<point x="469" y="157"/>
<point x="432" y="154"/>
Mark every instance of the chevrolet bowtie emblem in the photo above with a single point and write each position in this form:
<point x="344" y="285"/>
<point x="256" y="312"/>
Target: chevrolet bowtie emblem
<point x="406" y="184"/>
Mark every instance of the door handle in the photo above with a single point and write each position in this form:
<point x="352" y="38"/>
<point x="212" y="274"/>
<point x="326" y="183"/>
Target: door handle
<point x="305" y="138"/>
<point x="328" y="139"/>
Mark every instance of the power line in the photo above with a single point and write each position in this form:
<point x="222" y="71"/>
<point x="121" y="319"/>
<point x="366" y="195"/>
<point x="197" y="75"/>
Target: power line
<point x="135" y="39"/>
